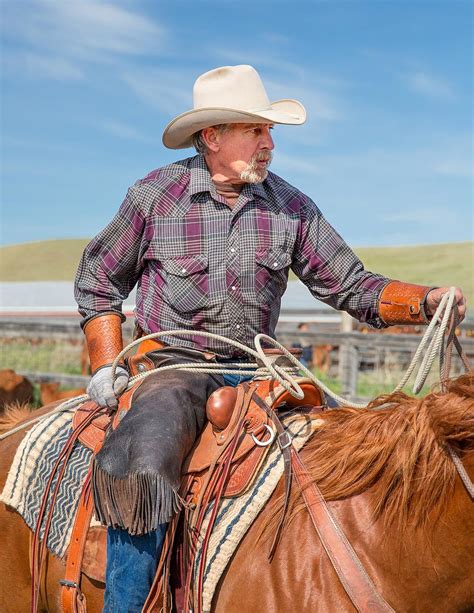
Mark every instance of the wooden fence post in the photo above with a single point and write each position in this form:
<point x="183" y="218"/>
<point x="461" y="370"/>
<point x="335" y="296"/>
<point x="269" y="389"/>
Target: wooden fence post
<point x="348" y="361"/>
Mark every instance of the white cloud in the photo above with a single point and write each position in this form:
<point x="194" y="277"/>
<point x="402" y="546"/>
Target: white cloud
<point x="123" y="131"/>
<point x="454" y="157"/>
<point x="103" y="27"/>
<point x="429" y="85"/>
<point x="43" y="66"/>
<point x="274" y="38"/>
<point x="322" y="106"/>
<point x="165" y="90"/>
<point x="64" y="35"/>
<point x="29" y="144"/>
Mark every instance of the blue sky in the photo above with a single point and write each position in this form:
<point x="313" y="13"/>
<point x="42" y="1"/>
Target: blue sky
<point x="386" y="152"/>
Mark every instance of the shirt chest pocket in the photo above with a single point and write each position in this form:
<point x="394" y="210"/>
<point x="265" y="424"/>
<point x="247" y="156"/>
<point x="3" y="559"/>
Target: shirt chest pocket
<point x="271" y="273"/>
<point x="186" y="282"/>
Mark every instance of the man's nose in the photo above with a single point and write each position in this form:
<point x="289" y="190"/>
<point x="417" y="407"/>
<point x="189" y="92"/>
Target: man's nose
<point x="267" y="140"/>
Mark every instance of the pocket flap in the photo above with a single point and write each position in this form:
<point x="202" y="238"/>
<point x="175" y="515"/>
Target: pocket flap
<point x="276" y="259"/>
<point x="185" y="265"/>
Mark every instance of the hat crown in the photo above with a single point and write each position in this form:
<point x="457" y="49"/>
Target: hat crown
<point x="230" y="87"/>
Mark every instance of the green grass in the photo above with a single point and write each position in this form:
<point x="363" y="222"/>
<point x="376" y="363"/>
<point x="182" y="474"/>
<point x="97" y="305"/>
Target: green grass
<point x="374" y="383"/>
<point x="44" y="355"/>
<point x="444" y="264"/>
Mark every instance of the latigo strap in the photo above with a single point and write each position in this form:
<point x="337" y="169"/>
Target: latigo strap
<point x="72" y="598"/>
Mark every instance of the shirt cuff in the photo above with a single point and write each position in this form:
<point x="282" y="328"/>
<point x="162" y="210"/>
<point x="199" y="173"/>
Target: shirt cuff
<point x="99" y="314"/>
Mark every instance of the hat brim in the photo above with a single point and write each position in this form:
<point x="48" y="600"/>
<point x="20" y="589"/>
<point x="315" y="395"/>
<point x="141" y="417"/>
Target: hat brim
<point x="178" y="133"/>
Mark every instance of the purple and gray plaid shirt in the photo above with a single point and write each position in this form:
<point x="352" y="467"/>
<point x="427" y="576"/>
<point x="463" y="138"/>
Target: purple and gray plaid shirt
<point x="201" y="265"/>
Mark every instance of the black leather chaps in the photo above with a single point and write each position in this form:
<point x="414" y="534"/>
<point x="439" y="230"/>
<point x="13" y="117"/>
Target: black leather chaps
<point x="136" y="474"/>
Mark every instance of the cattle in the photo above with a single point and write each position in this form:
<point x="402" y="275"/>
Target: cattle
<point x="50" y="392"/>
<point x="14" y="388"/>
<point x="322" y="357"/>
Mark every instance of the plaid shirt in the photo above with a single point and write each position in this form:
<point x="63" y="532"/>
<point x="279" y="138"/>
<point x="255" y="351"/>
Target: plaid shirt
<point x="202" y="265"/>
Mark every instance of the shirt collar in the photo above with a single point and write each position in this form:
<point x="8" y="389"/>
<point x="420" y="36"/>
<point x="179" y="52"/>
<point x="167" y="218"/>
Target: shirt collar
<point x="201" y="181"/>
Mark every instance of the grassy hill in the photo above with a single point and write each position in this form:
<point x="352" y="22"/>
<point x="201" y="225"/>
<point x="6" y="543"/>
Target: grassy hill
<point x="444" y="264"/>
<point x="55" y="260"/>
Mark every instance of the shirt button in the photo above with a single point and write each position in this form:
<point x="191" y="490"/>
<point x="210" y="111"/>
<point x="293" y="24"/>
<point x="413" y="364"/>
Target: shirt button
<point x="232" y="250"/>
<point x="183" y="269"/>
<point x="233" y="288"/>
<point x="275" y="264"/>
<point x="237" y="326"/>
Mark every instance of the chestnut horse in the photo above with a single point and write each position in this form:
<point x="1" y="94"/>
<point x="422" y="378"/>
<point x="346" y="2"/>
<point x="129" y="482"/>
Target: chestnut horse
<point x="394" y="490"/>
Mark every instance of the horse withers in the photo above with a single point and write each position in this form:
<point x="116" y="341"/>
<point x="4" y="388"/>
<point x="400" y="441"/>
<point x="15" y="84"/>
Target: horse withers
<point x="393" y="488"/>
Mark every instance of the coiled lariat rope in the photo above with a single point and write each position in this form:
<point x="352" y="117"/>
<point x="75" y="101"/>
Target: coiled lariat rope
<point x="433" y="335"/>
<point x="286" y="376"/>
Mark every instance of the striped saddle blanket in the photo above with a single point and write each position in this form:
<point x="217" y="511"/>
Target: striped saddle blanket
<point x="31" y="469"/>
<point x="38" y="451"/>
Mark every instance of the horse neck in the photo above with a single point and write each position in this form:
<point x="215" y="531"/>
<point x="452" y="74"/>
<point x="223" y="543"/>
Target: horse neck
<point x="431" y="562"/>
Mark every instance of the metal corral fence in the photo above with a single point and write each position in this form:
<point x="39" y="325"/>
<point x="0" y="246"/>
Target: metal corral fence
<point x="359" y="364"/>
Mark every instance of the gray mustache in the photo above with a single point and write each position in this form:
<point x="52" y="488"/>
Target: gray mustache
<point x="263" y="156"/>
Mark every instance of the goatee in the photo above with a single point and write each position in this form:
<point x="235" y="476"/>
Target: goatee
<point x="254" y="173"/>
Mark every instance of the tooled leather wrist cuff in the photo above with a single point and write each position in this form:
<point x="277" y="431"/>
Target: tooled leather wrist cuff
<point x="403" y="303"/>
<point x="104" y="339"/>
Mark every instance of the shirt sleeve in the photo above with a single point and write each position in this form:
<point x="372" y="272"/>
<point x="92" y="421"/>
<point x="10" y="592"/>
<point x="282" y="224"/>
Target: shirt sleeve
<point x="331" y="270"/>
<point x="111" y="263"/>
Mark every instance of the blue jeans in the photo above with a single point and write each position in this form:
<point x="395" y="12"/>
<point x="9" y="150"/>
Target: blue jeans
<point x="131" y="566"/>
<point x="234" y="380"/>
<point x="132" y="560"/>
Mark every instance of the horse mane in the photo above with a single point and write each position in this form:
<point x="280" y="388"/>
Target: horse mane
<point x="13" y="414"/>
<point x="397" y="448"/>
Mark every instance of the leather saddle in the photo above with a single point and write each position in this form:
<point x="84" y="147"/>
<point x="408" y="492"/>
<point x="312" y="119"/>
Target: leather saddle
<point x="258" y="436"/>
<point x="226" y="409"/>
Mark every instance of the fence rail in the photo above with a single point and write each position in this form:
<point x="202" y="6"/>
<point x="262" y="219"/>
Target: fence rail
<point x="350" y="353"/>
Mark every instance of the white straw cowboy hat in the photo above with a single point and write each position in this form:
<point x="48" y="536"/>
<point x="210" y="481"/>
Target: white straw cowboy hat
<point x="230" y="94"/>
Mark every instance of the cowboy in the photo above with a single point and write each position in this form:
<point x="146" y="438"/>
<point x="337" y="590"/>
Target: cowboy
<point x="209" y="241"/>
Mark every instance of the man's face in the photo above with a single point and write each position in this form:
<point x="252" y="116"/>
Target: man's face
<point x="243" y="152"/>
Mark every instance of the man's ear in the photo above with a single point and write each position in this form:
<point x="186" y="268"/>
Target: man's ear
<point x="212" y="139"/>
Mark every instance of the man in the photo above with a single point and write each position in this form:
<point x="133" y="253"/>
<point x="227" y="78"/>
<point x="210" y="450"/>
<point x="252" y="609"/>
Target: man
<point x="209" y="240"/>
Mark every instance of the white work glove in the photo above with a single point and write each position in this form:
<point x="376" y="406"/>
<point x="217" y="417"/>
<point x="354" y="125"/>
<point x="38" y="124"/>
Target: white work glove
<point x="103" y="390"/>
